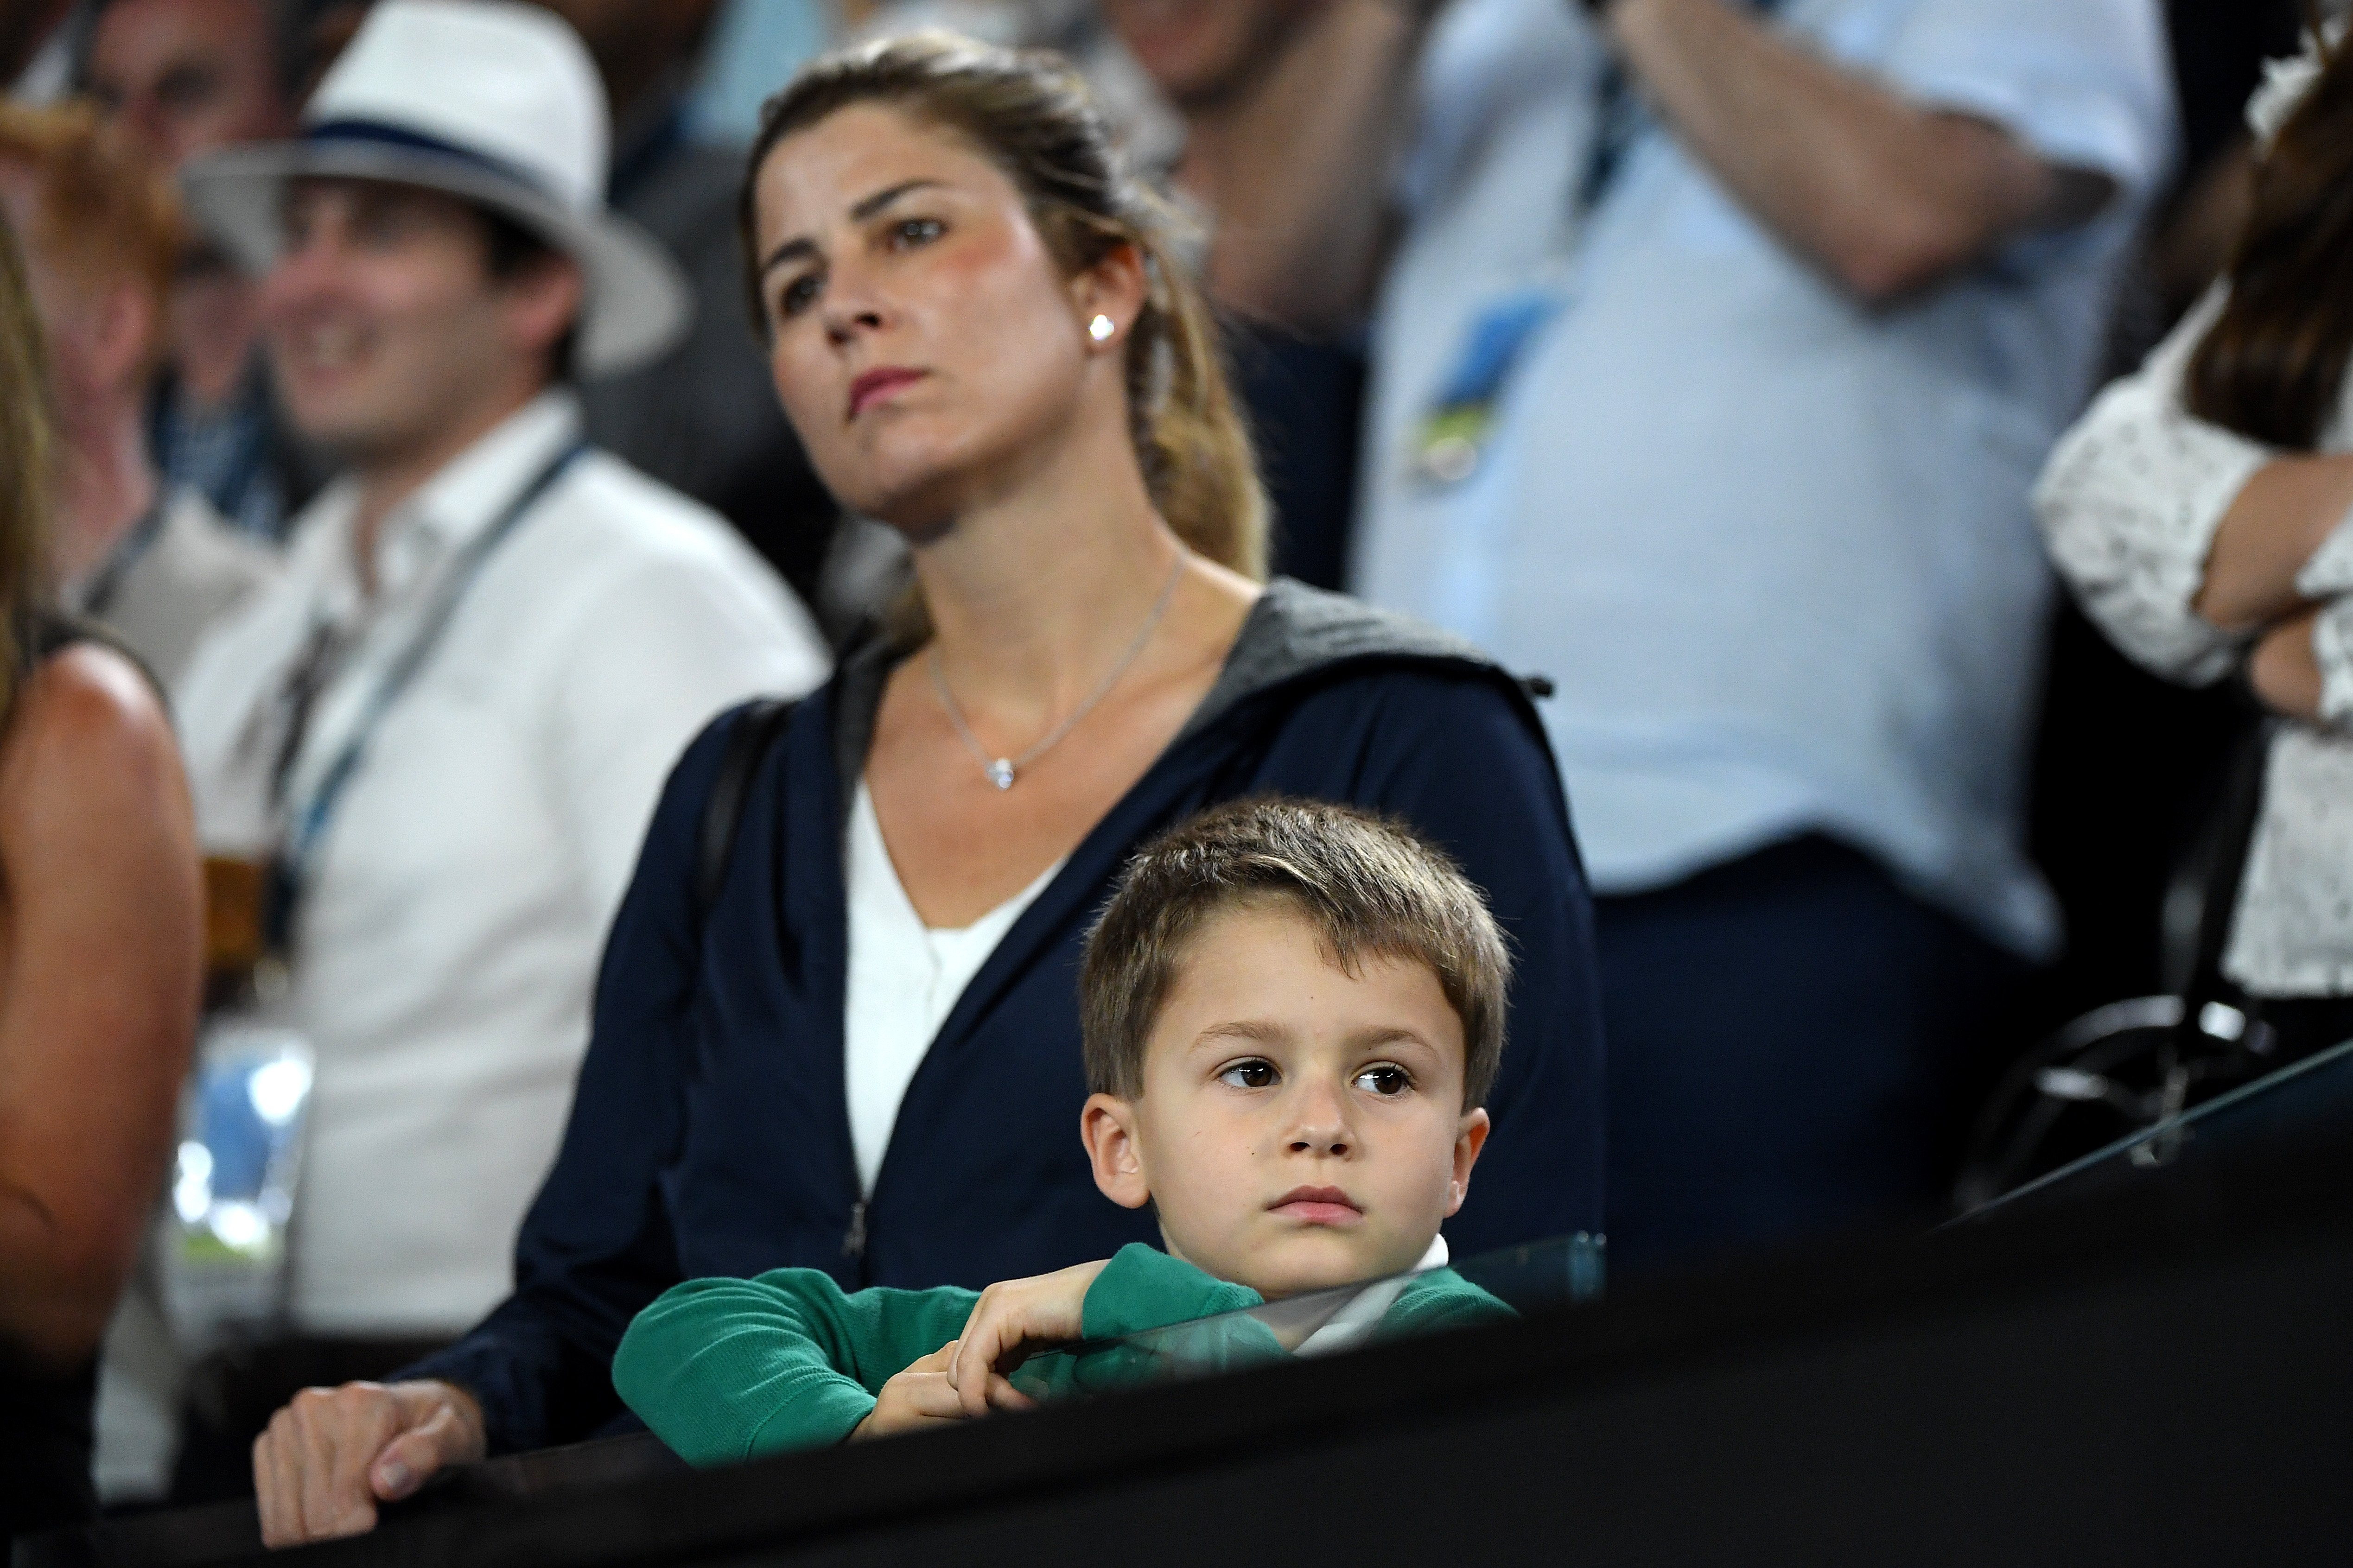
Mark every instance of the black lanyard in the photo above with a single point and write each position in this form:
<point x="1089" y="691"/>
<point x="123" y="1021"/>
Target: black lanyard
<point x="127" y="552"/>
<point x="292" y="868"/>
<point x="1621" y="120"/>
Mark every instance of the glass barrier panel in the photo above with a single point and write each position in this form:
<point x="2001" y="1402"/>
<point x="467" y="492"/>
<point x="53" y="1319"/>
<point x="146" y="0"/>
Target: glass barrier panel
<point x="1540" y="1277"/>
<point x="2300" y="1098"/>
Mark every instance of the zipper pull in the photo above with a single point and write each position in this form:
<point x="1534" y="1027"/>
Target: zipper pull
<point x="854" y="1244"/>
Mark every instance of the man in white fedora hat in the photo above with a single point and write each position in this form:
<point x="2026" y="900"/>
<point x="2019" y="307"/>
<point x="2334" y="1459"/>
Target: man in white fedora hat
<point x="441" y="736"/>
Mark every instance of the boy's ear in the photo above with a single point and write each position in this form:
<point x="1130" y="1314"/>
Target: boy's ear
<point x="1107" y="1127"/>
<point x="1470" y="1137"/>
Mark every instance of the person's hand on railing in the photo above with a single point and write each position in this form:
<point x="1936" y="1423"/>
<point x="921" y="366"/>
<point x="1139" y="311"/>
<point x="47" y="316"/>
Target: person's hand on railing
<point x="332" y="1455"/>
<point x="1045" y="1309"/>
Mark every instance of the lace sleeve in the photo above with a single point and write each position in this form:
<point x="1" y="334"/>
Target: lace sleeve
<point x="2332" y="648"/>
<point x="2129" y="503"/>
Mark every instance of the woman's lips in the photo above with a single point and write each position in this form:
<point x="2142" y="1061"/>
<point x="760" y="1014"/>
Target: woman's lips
<point x="877" y="384"/>
<point x="1317" y="1205"/>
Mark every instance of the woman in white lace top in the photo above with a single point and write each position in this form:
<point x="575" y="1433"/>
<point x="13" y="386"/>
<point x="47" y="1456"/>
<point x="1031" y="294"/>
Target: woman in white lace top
<point x="2200" y="512"/>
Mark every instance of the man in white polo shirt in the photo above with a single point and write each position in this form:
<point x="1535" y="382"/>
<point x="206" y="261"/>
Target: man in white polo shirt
<point x="446" y="731"/>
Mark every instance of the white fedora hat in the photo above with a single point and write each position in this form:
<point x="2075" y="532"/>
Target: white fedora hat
<point x="496" y="102"/>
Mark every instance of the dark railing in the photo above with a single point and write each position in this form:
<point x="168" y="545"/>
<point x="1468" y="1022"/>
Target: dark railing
<point x="2154" y="1370"/>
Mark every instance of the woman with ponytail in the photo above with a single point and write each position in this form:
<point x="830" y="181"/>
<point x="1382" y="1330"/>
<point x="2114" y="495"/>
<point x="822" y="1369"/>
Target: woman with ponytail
<point x="855" y="1048"/>
<point x="2200" y="512"/>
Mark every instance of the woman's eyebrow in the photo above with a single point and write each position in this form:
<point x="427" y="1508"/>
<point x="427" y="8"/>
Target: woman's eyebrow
<point x="860" y="211"/>
<point x="869" y="205"/>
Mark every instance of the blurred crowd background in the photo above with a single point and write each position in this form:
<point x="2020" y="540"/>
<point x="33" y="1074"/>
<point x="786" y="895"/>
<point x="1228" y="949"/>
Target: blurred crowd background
<point x="1994" y="856"/>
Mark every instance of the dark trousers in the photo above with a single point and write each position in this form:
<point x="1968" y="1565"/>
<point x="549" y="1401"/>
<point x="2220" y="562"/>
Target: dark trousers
<point x="233" y="1393"/>
<point x="1792" y="1042"/>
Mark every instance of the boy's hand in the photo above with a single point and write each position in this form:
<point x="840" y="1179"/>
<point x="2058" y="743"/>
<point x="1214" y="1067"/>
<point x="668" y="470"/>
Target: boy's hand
<point x="918" y="1397"/>
<point x="1007" y="1316"/>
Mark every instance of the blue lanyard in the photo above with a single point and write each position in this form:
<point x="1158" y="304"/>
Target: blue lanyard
<point x="290" y="868"/>
<point x="1459" y="424"/>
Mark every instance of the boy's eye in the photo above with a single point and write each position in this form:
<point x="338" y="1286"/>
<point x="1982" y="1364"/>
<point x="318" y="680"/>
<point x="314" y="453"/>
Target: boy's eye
<point x="1249" y="1075"/>
<point x="913" y="231"/>
<point x="1385" y="1080"/>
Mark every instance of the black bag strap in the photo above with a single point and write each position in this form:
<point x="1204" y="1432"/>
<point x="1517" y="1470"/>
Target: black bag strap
<point x="748" y="744"/>
<point x="2224" y="872"/>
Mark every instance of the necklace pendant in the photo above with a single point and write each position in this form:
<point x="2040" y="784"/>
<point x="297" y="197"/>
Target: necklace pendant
<point x="1001" y="772"/>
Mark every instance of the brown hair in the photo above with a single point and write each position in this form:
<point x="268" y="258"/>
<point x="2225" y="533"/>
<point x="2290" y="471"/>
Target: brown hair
<point x="1028" y="112"/>
<point x="105" y="211"/>
<point x="1367" y="882"/>
<point x="23" y="466"/>
<point x="2273" y="364"/>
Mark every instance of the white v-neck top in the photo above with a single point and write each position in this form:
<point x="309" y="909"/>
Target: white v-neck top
<point x="905" y="980"/>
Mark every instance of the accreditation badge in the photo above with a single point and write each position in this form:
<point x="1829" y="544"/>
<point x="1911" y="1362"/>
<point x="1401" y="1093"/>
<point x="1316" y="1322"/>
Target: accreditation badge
<point x="1451" y="440"/>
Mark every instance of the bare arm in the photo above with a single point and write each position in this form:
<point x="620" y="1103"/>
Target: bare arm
<point x="2282" y="516"/>
<point x="1886" y="197"/>
<point x="100" y="963"/>
<point x="2285" y="668"/>
<point x="1297" y="167"/>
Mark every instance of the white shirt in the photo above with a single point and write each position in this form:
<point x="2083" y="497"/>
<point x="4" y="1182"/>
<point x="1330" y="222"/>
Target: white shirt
<point x="445" y="949"/>
<point x="2130" y="504"/>
<point x="1359" y="1316"/>
<point x="175" y="586"/>
<point x="1773" y="546"/>
<point x="905" y="980"/>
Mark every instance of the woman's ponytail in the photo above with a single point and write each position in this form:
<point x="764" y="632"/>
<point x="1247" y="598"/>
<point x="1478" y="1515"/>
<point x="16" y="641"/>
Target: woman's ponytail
<point x="1197" y="456"/>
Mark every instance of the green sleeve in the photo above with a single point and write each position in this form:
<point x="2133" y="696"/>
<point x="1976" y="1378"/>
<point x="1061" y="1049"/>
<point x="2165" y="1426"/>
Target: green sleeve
<point x="725" y="1369"/>
<point x="1143" y="1288"/>
<point x="1437" y="1300"/>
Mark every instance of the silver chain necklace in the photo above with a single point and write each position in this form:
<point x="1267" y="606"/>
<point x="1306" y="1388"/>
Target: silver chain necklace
<point x="1002" y="770"/>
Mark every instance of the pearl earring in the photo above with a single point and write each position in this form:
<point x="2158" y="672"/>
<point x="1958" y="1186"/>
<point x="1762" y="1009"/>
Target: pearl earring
<point x="1101" y="329"/>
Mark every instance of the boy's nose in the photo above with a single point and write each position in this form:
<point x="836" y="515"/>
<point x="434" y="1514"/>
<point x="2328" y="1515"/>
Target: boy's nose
<point x="1320" y="1124"/>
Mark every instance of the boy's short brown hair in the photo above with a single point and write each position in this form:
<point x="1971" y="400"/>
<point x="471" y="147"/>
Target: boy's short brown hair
<point x="1367" y="882"/>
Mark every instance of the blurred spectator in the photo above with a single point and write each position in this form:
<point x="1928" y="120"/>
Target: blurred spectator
<point x="100" y="943"/>
<point x="103" y="233"/>
<point x="1142" y="124"/>
<point x="2128" y="766"/>
<point x="156" y="566"/>
<point x="1233" y="71"/>
<point x="2200" y="512"/>
<point x="446" y="727"/>
<point x="1713" y="365"/>
<point x="184" y="78"/>
<point x="755" y="44"/>
<point x="702" y="418"/>
<point x="37" y="39"/>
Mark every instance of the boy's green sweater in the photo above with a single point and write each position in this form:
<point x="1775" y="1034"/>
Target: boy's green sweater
<point x="727" y="1369"/>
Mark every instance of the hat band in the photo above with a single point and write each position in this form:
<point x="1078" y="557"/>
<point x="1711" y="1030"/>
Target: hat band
<point x="379" y="134"/>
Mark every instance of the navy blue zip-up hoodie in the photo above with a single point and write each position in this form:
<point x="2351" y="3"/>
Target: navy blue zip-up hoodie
<point x="710" y="1134"/>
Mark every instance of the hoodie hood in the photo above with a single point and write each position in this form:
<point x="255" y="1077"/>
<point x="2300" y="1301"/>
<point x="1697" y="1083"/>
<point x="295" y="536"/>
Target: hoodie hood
<point x="1294" y="633"/>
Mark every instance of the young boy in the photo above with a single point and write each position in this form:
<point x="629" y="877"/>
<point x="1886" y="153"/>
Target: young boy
<point x="1291" y="1012"/>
